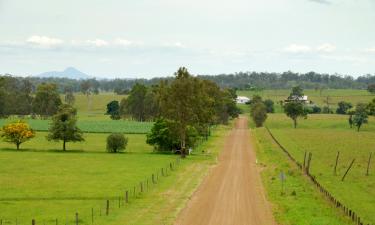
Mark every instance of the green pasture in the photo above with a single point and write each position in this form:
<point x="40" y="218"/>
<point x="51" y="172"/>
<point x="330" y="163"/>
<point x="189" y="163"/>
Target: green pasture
<point x="324" y="136"/>
<point x="93" y="125"/>
<point x="94" y="105"/>
<point x="334" y="96"/>
<point x="296" y="201"/>
<point x="44" y="183"/>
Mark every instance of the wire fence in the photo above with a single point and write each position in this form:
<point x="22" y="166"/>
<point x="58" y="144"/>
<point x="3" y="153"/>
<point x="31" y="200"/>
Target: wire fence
<point x="351" y="214"/>
<point x="108" y="206"/>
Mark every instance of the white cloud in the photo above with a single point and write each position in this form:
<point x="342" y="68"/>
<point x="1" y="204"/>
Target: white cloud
<point x="296" y="48"/>
<point x="370" y="50"/>
<point x="122" y="42"/>
<point x="327" y="48"/>
<point x="44" y="41"/>
<point x="97" y="43"/>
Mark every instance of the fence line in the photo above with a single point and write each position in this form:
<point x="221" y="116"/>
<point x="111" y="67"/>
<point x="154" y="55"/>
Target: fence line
<point x="351" y="214"/>
<point x="111" y="203"/>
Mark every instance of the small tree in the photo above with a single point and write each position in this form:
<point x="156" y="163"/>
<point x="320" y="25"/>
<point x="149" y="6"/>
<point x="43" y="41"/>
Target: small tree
<point x="360" y="116"/>
<point x="371" y="107"/>
<point x="64" y="128"/>
<point x="269" y="105"/>
<point x="294" y="110"/>
<point x="343" y="107"/>
<point x="371" y="88"/>
<point x="69" y="98"/>
<point x="116" y="142"/>
<point x="259" y="113"/>
<point x="17" y="133"/>
<point x="113" y="109"/>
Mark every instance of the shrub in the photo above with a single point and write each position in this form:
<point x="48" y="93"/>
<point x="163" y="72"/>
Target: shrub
<point x="343" y="107"/>
<point x="269" y="106"/>
<point x="327" y="110"/>
<point x="116" y="142"/>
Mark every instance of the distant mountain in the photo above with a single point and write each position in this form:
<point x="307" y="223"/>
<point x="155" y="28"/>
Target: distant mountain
<point x="69" y="72"/>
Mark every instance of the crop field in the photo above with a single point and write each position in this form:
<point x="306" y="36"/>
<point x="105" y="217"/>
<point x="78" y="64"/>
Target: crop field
<point x="324" y="136"/>
<point x="93" y="126"/>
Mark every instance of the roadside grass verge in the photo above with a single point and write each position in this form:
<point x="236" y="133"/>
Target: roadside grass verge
<point x="324" y="136"/>
<point x="300" y="203"/>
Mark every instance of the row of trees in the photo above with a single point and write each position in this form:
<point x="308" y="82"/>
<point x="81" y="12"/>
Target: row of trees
<point x="241" y="80"/>
<point x="18" y="98"/>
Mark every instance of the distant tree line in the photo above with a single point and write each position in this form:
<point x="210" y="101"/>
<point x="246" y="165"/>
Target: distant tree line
<point x="241" y="80"/>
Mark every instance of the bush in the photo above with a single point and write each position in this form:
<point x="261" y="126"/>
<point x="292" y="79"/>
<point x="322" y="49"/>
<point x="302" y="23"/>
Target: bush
<point x="269" y="106"/>
<point x="116" y="142"/>
<point x="327" y="110"/>
<point x="258" y="113"/>
<point x="343" y="107"/>
<point x="313" y="109"/>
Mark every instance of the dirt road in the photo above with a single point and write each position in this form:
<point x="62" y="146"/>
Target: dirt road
<point x="232" y="193"/>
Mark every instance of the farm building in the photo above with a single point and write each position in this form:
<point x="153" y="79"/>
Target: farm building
<point x="303" y="99"/>
<point x="242" y="99"/>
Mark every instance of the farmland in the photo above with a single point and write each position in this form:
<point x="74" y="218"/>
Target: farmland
<point x="42" y="182"/>
<point x="323" y="136"/>
<point x="52" y="184"/>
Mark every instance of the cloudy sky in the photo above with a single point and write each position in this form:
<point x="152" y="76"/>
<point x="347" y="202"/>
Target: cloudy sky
<point x="146" y="38"/>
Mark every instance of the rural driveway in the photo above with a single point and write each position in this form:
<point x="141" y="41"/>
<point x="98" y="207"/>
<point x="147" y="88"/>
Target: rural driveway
<point x="232" y="193"/>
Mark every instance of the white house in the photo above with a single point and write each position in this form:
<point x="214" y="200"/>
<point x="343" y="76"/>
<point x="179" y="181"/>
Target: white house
<point x="298" y="98"/>
<point x="242" y="99"/>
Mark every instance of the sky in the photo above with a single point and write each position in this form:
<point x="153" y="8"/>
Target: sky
<point x="148" y="38"/>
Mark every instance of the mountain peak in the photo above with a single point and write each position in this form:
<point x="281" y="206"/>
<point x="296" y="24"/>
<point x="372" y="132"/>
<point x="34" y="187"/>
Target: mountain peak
<point x="69" y="72"/>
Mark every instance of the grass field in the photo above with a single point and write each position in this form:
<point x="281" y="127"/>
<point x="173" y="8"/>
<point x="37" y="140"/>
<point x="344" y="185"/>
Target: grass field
<point x="93" y="125"/>
<point x="324" y="136"/>
<point x="300" y="203"/>
<point x="335" y="96"/>
<point x="41" y="182"/>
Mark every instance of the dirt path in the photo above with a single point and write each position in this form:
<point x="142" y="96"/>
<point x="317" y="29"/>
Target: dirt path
<point x="232" y="194"/>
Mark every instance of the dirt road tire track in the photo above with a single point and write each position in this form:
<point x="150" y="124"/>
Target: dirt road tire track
<point x="232" y="193"/>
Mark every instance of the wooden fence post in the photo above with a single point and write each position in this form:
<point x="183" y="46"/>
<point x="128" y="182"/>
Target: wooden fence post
<point x="141" y="186"/>
<point x="351" y="164"/>
<point x="153" y="178"/>
<point x="368" y="165"/>
<point x="32" y="222"/>
<point x="304" y="161"/>
<point x="107" y="208"/>
<point x="119" y="202"/>
<point x="76" y="218"/>
<point x="57" y="222"/>
<point x="337" y="160"/>
<point x="92" y="215"/>
<point x="126" y="196"/>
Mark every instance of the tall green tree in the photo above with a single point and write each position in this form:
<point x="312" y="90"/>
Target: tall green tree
<point x="360" y="116"/>
<point x="371" y="88"/>
<point x="113" y="109"/>
<point x="371" y="107"/>
<point x="64" y="126"/>
<point x="294" y="110"/>
<point x="47" y="100"/>
<point x="185" y="105"/>
<point x="134" y="104"/>
<point x="258" y="113"/>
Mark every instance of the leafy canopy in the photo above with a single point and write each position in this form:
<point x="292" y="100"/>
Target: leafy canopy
<point x="64" y="128"/>
<point x="17" y="133"/>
